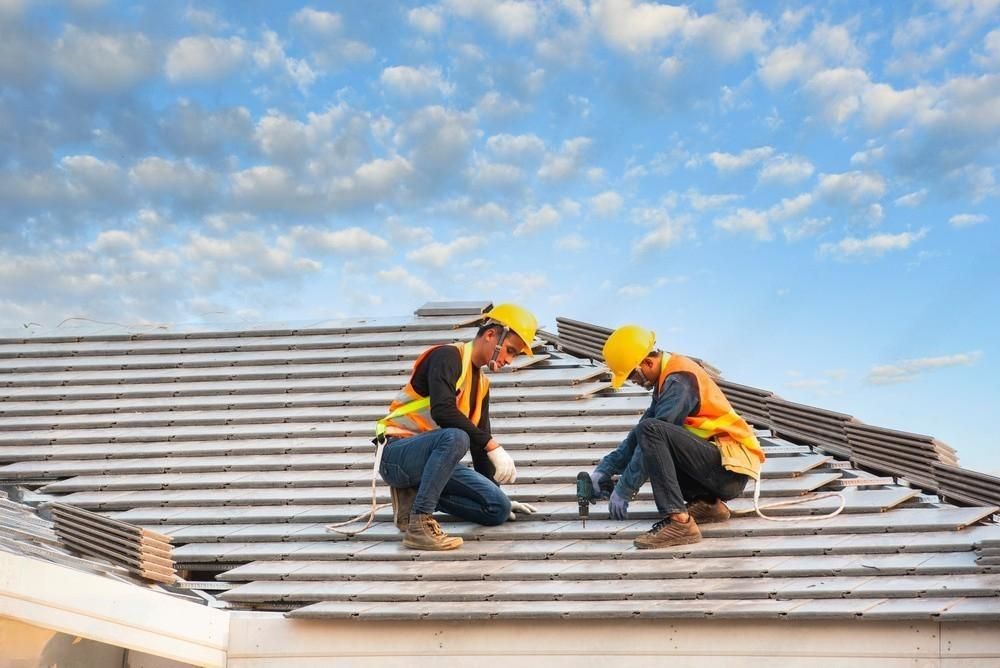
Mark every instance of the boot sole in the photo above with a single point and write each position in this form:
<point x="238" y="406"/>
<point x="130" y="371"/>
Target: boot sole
<point x="687" y="540"/>
<point x="432" y="547"/>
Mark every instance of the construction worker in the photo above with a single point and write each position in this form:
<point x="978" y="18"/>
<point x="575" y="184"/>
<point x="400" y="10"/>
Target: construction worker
<point x="441" y="414"/>
<point x="695" y="450"/>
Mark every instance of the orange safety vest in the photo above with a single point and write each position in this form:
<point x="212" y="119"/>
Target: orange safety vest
<point x="716" y="420"/>
<point x="410" y="412"/>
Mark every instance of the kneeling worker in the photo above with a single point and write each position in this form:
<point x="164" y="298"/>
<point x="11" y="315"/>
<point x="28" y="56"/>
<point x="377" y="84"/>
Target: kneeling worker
<point x="694" y="448"/>
<point x="441" y="414"/>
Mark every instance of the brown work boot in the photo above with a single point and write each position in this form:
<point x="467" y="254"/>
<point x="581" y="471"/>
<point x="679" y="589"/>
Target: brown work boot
<point x="424" y="533"/>
<point x="667" y="532"/>
<point x="704" y="512"/>
<point x="402" y="501"/>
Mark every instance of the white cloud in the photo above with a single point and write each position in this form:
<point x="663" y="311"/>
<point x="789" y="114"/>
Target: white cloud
<point x="374" y="180"/>
<point x="270" y="55"/>
<point x="437" y="254"/>
<point x="494" y="174"/>
<point x="177" y="178"/>
<point x="746" y="220"/>
<point x="324" y="24"/>
<point x="908" y="370"/>
<point x="788" y="63"/>
<point x="875" y="213"/>
<point x="512" y="19"/>
<point x="990" y="58"/>
<point x="103" y="62"/>
<point x="572" y="242"/>
<point x="632" y="291"/>
<point x="828" y="46"/>
<point x="414" y="81"/>
<point x="536" y="220"/>
<point x="667" y="230"/>
<point x="873" y="246"/>
<point x="791" y="207"/>
<point x="567" y="162"/>
<point x="851" y="188"/>
<point x="349" y="241"/>
<point x="868" y="156"/>
<point x="787" y="169"/>
<point x="804" y="229"/>
<point x="439" y="139"/>
<point x="494" y="105"/>
<point x="516" y="147"/>
<point x="606" y="204"/>
<point x="727" y="162"/>
<point x="636" y="28"/>
<point x="426" y="19"/>
<point x="700" y="202"/>
<point x="202" y="59"/>
<point x="913" y="199"/>
<point x="727" y="36"/>
<point x="397" y="276"/>
<point x="838" y="92"/>
<point x="967" y="219"/>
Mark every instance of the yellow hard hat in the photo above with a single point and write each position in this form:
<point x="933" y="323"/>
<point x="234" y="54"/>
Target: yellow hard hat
<point x="518" y="319"/>
<point x="624" y="349"/>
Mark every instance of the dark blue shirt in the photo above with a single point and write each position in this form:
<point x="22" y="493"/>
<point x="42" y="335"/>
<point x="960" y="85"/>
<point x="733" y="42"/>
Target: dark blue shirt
<point x="673" y="403"/>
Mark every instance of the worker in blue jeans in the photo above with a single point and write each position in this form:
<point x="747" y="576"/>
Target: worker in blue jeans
<point x="440" y="415"/>
<point x="695" y="450"/>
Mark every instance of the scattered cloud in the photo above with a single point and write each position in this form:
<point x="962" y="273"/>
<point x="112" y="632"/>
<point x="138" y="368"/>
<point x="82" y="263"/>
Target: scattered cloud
<point x="415" y="81"/>
<point x="967" y="219"/>
<point x="429" y="20"/>
<point x="786" y="169"/>
<point x="103" y="62"/>
<point x="567" y="162"/>
<point x="907" y="370"/>
<point x="536" y="220"/>
<point x="572" y="242"/>
<point x="913" y="199"/>
<point x="728" y="162"/>
<point x="437" y="254"/>
<point x="606" y="204"/>
<point x="851" y="188"/>
<point x="873" y="246"/>
<point x="202" y="59"/>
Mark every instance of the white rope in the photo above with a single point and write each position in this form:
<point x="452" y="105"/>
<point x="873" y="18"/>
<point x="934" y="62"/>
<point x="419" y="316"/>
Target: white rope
<point x="782" y="504"/>
<point x="370" y="513"/>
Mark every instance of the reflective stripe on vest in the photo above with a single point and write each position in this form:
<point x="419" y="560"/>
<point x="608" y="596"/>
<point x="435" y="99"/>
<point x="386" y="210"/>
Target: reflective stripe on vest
<point x="716" y="418"/>
<point x="409" y="413"/>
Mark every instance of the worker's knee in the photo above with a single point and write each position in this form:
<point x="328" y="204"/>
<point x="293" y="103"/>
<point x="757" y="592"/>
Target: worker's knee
<point x="654" y="433"/>
<point x="496" y="510"/>
<point x="651" y="427"/>
<point x="454" y="440"/>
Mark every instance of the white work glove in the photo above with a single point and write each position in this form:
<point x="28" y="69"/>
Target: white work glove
<point x="504" y="465"/>
<point x="522" y="508"/>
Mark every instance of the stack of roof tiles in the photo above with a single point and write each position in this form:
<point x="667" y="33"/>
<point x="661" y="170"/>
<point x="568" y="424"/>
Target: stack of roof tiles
<point x="243" y="445"/>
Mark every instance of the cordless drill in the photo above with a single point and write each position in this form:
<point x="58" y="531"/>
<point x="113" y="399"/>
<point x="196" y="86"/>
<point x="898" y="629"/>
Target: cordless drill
<point x="585" y="493"/>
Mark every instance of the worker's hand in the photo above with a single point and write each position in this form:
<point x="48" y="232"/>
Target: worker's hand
<point x="520" y="508"/>
<point x="503" y="465"/>
<point x="618" y="506"/>
<point x="595" y="482"/>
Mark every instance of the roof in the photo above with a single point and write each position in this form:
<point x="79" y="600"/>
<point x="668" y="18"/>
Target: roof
<point x="241" y="445"/>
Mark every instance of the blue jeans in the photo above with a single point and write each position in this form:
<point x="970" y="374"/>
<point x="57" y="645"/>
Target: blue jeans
<point x="683" y="467"/>
<point x="431" y="462"/>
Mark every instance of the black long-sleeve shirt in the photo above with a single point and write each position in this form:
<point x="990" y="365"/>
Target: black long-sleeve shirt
<point x="436" y="377"/>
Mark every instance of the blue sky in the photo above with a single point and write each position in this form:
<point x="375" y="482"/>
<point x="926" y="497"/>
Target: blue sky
<point x="804" y="195"/>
